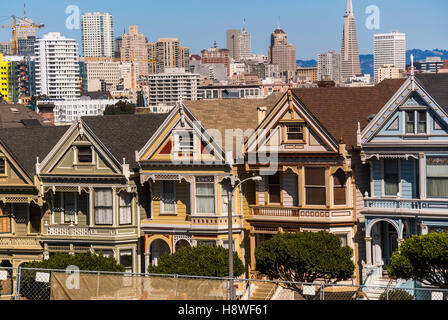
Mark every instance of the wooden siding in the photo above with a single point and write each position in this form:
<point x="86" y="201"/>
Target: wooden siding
<point x="20" y="219"/>
<point x="407" y="179"/>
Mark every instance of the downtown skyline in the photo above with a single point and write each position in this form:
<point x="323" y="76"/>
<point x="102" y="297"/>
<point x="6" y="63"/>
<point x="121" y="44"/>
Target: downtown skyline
<point x="210" y="20"/>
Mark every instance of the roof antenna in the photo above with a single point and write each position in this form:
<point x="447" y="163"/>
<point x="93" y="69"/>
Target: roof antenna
<point x="24" y="8"/>
<point x="278" y="22"/>
<point x="244" y="24"/>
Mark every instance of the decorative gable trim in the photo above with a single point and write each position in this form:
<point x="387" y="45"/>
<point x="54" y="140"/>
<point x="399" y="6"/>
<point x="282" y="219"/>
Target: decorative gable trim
<point x="86" y="134"/>
<point x="410" y="86"/>
<point x="289" y="103"/>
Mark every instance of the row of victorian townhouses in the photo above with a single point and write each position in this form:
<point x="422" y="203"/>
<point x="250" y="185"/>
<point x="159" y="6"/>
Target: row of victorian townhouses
<point x="369" y="164"/>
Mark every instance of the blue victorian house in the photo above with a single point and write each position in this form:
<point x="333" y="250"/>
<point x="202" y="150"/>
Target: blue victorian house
<point x="406" y="147"/>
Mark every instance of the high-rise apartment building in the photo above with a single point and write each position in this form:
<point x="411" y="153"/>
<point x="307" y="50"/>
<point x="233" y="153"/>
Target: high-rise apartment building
<point x="350" y="63"/>
<point x="108" y="74"/>
<point x="168" y="53"/>
<point x="97" y="35"/>
<point x="134" y="48"/>
<point x="216" y="55"/>
<point x="282" y="54"/>
<point x="389" y="49"/>
<point x="57" y="67"/>
<point x="173" y="85"/>
<point x="329" y="66"/>
<point x="239" y="44"/>
<point x="24" y="29"/>
<point x="4" y="82"/>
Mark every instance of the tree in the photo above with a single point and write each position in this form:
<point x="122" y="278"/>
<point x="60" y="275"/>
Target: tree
<point x="396" y="294"/>
<point x="121" y="107"/>
<point x="199" y="261"/>
<point x="33" y="290"/>
<point x="305" y="257"/>
<point x="422" y="258"/>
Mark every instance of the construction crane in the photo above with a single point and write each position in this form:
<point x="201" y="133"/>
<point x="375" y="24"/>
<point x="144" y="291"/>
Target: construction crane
<point x="133" y="60"/>
<point x="14" y="27"/>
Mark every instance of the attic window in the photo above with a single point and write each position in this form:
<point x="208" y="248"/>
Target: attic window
<point x="2" y="166"/>
<point x="293" y="132"/>
<point x="184" y="141"/>
<point x="85" y="155"/>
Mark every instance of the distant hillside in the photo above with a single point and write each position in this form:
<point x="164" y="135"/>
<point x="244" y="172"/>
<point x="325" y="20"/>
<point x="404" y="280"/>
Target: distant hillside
<point x="306" y="63"/>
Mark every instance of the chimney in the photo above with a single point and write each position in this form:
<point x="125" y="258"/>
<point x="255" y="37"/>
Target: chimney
<point x="46" y="111"/>
<point x="261" y="114"/>
<point x="326" y="84"/>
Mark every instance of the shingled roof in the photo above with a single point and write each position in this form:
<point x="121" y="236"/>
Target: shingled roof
<point x="27" y="143"/>
<point x="222" y="114"/>
<point x="124" y="134"/>
<point x="17" y="115"/>
<point x="339" y="109"/>
<point x="437" y="86"/>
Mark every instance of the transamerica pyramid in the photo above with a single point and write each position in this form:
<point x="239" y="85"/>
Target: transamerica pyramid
<point x="350" y="65"/>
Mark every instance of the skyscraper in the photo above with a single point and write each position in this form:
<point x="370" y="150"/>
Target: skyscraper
<point x="134" y="48"/>
<point x="239" y="44"/>
<point x="389" y="49"/>
<point x="57" y="67"/>
<point x="234" y="43"/>
<point x="168" y="53"/>
<point x="282" y="54"/>
<point x="97" y="35"/>
<point x="329" y="66"/>
<point x="350" y="64"/>
<point x="245" y="45"/>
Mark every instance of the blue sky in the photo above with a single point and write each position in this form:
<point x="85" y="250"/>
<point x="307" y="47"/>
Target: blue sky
<point x="314" y="26"/>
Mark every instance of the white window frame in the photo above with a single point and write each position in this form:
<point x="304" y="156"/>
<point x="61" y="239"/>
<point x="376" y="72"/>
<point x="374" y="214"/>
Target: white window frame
<point x="94" y="207"/>
<point x="131" y="200"/>
<point x="214" y="197"/>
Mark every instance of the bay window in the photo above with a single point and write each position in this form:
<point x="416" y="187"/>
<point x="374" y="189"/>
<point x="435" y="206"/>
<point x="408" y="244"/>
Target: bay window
<point x="391" y="183"/>
<point x="274" y="188"/>
<point x="125" y="208"/>
<point x="205" y="196"/>
<point x="437" y="177"/>
<point x="315" y="186"/>
<point x="103" y="207"/>
<point x="339" y="195"/>
<point x="69" y="206"/>
<point x="168" y="197"/>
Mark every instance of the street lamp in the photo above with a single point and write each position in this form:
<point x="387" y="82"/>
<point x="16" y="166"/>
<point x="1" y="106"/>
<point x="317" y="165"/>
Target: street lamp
<point x="230" y="240"/>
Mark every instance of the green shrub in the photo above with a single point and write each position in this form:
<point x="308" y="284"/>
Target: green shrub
<point x="396" y="294"/>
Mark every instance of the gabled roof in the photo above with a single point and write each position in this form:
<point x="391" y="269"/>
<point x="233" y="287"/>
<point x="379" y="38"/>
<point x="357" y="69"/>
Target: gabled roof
<point x="27" y="143"/>
<point x="339" y="109"/>
<point x="122" y="135"/>
<point x="222" y="114"/>
<point x="437" y="86"/>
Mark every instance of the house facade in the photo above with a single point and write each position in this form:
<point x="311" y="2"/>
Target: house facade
<point x="405" y="147"/>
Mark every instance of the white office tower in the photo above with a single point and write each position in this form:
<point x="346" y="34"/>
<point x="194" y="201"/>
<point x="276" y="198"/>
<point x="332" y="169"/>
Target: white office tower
<point x="57" y="67"/>
<point x="389" y="49"/>
<point x="245" y="45"/>
<point x="97" y="35"/>
<point x="329" y="66"/>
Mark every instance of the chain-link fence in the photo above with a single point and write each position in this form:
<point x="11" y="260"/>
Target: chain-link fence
<point x="45" y="284"/>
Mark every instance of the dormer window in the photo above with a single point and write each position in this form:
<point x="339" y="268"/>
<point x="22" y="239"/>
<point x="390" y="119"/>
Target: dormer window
<point x="85" y="154"/>
<point x="421" y="121"/>
<point x="2" y="166"/>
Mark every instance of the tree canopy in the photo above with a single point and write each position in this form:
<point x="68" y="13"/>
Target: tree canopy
<point x="422" y="258"/>
<point x="121" y="107"/>
<point x="199" y="261"/>
<point x="305" y="257"/>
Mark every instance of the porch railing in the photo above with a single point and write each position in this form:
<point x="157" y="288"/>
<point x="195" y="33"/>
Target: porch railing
<point x="412" y="204"/>
<point x="276" y="211"/>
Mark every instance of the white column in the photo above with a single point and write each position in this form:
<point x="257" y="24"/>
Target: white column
<point x="146" y="262"/>
<point x="422" y="176"/>
<point x="369" y="250"/>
